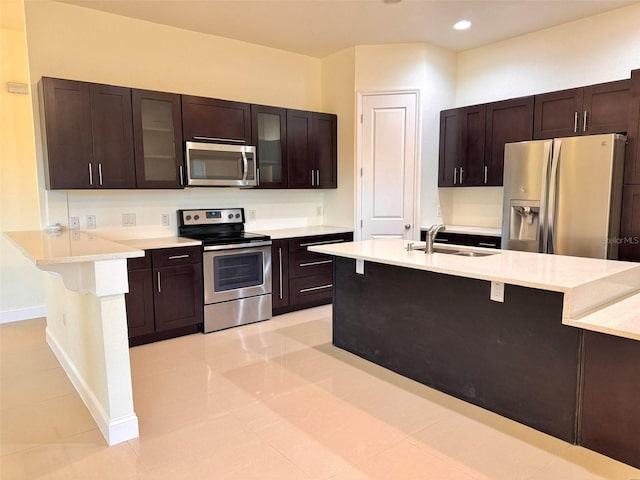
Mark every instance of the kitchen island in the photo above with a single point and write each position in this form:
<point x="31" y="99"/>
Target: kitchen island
<point x="537" y="357"/>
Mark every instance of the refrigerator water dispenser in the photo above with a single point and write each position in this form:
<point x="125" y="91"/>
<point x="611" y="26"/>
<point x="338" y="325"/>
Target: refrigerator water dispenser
<point x="524" y="221"/>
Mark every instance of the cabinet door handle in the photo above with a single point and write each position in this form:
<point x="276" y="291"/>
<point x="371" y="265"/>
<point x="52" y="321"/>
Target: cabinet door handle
<point x="100" y="174"/>
<point x="584" y="122"/>
<point x="575" y="122"/>
<point x="280" y="267"/>
<point x="455" y="176"/>
<point x="90" y="175"/>
<point x="176" y="257"/>
<point x="312" y="179"/>
<point x="461" y="175"/>
<point x="311" y="264"/>
<point x="324" y="242"/>
<point x="159" y="286"/>
<point x="313" y="289"/>
<point x="485" y="244"/>
<point x="486" y="174"/>
<point x="180" y="169"/>
<point x="317" y="178"/>
<point x="258" y="176"/>
<point x="218" y="139"/>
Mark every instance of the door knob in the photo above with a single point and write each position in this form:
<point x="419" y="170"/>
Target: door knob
<point x="407" y="226"/>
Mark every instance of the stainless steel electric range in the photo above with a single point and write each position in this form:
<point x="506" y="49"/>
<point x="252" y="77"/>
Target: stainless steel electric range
<point x="236" y="267"/>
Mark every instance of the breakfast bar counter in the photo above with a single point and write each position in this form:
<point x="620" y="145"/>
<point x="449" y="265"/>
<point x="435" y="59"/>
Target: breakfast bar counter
<point x="531" y="348"/>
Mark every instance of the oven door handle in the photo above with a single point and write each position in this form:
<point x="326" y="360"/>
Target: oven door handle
<point x="210" y="248"/>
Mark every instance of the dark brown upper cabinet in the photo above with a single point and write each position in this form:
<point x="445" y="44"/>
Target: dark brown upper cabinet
<point x="632" y="157"/>
<point x="506" y="121"/>
<point x="461" y="158"/>
<point x="312" y="149"/>
<point x="213" y="120"/>
<point x="157" y="128"/>
<point x="88" y="135"/>
<point x="269" y="135"/>
<point x="600" y="108"/>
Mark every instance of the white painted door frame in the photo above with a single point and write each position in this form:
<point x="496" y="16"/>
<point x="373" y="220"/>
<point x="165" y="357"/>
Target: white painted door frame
<point x="359" y="159"/>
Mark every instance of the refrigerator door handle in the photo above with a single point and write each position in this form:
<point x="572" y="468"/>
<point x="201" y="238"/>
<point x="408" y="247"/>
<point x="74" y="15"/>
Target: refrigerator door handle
<point x="553" y="195"/>
<point x="542" y="221"/>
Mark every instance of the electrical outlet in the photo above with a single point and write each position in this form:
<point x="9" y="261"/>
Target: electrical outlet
<point x="128" y="219"/>
<point x="439" y="211"/>
<point x="251" y="214"/>
<point x="497" y="291"/>
<point x="165" y="219"/>
<point x="91" y="221"/>
<point x="74" y="223"/>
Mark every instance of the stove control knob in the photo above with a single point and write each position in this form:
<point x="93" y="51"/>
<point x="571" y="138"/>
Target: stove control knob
<point x="196" y="217"/>
<point x="230" y="216"/>
<point x="188" y="217"/>
<point x="237" y="215"/>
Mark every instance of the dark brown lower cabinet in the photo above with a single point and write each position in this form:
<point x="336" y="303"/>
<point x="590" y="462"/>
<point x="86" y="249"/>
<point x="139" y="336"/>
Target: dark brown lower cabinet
<point x="280" y="274"/>
<point x="302" y="279"/>
<point x="165" y="298"/>
<point x="610" y="419"/>
<point x="629" y="239"/>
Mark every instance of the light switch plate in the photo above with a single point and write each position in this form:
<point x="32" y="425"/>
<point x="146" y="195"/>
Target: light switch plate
<point x="91" y="221"/>
<point x="74" y="223"/>
<point x="497" y="291"/>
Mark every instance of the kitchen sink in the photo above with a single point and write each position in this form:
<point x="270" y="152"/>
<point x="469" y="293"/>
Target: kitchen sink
<point x="460" y="253"/>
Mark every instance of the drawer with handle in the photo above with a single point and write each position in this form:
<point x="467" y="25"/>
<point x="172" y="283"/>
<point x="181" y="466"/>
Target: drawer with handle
<point x="315" y="288"/>
<point x="302" y="243"/>
<point x="309" y="263"/>
<point x="139" y="263"/>
<point x="165" y="257"/>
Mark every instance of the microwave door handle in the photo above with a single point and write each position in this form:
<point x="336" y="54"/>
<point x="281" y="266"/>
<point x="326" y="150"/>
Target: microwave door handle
<point x="245" y="166"/>
<point x="219" y="139"/>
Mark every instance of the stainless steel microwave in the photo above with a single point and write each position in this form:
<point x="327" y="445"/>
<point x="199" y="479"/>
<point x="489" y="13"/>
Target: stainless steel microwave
<point x="220" y="165"/>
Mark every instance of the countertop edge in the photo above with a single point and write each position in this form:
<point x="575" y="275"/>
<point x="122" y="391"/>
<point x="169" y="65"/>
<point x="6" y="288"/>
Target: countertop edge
<point x="296" y="232"/>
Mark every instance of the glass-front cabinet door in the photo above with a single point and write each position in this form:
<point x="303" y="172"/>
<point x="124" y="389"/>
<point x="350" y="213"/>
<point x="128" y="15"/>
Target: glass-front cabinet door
<point x="157" y="124"/>
<point x="269" y="131"/>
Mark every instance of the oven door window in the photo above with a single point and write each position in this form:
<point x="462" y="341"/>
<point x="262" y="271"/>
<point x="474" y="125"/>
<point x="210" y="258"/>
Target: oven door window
<point x="232" y="272"/>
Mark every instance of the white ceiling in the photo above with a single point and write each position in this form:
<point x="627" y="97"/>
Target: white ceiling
<point x="321" y="27"/>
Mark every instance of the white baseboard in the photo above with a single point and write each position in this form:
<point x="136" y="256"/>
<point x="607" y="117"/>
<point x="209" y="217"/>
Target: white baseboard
<point x="114" y="430"/>
<point x="7" y="316"/>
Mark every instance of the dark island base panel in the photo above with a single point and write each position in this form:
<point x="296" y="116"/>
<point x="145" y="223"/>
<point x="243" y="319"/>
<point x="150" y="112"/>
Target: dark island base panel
<point x="611" y="397"/>
<point x="513" y="358"/>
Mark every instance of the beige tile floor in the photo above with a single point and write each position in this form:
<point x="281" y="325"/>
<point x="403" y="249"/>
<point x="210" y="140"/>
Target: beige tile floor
<point x="273" y="400"/>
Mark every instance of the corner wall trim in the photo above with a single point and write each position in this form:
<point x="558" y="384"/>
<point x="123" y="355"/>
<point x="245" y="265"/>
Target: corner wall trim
<point x="114" y="430"/>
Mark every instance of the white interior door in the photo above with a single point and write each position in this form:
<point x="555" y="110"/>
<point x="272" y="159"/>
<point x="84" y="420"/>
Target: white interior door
<point x="388" y="165"/>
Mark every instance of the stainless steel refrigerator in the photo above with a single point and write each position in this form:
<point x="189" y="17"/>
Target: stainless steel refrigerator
<point x="563" y="196"/>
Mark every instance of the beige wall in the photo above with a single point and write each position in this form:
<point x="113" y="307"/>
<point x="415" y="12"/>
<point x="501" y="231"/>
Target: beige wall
<point x="21" y="283"/>
<point x="72" y="42"/>
<point x="597" y="49"/>
<point x="338" y="96"/>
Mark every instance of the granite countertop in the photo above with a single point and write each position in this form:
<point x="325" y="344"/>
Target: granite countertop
<point x="160" y="242"/>
<point x="69" y="246"/>
<point x="592" y="288"/>
<point x="277" y="234"/>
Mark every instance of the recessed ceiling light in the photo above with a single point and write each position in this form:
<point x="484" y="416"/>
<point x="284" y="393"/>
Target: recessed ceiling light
<point x="391" y="1"/>
<point x="462" y="25"/>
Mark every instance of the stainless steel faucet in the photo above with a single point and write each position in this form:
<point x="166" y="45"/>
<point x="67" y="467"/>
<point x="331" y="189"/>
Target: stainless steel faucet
<point x="431" y="236"/>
